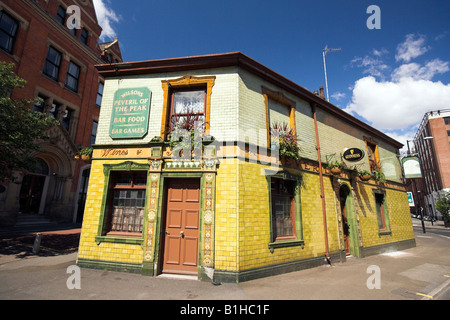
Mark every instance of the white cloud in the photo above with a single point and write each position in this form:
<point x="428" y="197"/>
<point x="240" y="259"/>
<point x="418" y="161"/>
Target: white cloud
<point x="372" y="66"/>
<point x="397" y="105"/>
<point x="106" y="17"/>
<point x="415" y="71"/>
<point x="413" y="47"/>
<point x="338" y="96"/>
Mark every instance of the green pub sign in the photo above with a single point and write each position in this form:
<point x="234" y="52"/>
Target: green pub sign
<point x="130" y="114"/>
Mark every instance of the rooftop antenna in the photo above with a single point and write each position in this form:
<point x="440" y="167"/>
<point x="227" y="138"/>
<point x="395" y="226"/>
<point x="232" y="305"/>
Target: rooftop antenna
<point x="325" y="51"/>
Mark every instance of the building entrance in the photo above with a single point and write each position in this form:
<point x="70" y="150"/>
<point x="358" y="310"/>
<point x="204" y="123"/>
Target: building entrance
<point x="181" y="232"/>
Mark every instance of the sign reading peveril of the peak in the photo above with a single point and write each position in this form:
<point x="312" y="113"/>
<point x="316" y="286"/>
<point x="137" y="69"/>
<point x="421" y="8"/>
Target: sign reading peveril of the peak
<point x="130" y="114"/>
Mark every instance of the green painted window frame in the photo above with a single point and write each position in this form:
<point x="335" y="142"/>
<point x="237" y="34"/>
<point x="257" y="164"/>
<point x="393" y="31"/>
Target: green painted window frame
<point x="387" y="230"/>
<point x="104" y="211"/>
<point x="298" y="241"/>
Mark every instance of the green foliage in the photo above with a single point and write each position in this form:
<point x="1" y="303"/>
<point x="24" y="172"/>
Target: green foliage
<point x="86" y="151"/>
<point x="443" y="205"/>
<point x="20" y="127"/>
<point x="379" y="175"/>
<point x="336" y="164"/>
<point x="285" y="139"/>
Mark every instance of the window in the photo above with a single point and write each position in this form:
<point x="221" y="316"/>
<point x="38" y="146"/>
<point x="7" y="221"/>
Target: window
<point x="53" y="112"/>
<point x="84" y="36"/>
<point x="100" y="88"/>
<point x="372" y="155"/>
<point x="188" y="109"/>
<point x="382" y="215"/>
<point x="93" y="133"/>
<point x="279" y="110"/>
<point x="65" y="121"/>
<point x="128" y="202"/>
<point x="193" y="100"/>
<point x="61" y="15"/>
<point x="447" y="120"/>
<point x="52" y="63"/>
<point x="8" y="31"/>
<point x="39" y="105"/>
<point x="73" y="75"/>
<point x="283" y="211"/>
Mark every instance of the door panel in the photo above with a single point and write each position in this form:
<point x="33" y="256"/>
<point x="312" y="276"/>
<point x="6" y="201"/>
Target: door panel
<point x="182" y="226"/>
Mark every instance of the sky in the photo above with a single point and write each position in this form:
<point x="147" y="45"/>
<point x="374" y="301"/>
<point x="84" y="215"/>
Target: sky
<point x="388" y="76"/>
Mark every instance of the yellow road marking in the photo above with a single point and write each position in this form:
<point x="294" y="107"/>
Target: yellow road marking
<point x="424" y="295"/>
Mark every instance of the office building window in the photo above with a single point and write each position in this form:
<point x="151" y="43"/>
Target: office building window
<point x="61" y="15"/>
<point x="52" y="63"/>
<point x="73" y="75"/>
<point x="100" y="94"/>
<point x="93" y="132"/>
<point x="8" y="31"/>
<point x="84" y="36"/>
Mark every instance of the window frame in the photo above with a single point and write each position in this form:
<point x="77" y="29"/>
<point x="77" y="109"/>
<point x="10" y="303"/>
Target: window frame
<point x="279" y="97"/>
<point x="297" y="238"/>
<point x="383" y="221"/>
<point x="12" y="37"/>
<point x="84" y="36"/>
<point x="373" y="156"/>
<point x="60" y="17"/>
<point x="100" y="94"/>
<point x="106" y="205"/>
<point x="185" y="82"/>
<point x="76" y="78"/>
<point x="56" y="66"/>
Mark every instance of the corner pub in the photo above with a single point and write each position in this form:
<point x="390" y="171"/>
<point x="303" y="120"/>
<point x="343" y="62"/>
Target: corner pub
<point x="232" y="204"/>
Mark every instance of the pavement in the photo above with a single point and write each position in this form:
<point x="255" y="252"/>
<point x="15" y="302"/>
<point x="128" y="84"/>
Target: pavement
<point x="420" y="273"/>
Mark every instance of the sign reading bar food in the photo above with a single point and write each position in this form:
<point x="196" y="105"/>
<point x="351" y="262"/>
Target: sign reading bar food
<point x="353" y="155"/>
<point x="130" y="114"/>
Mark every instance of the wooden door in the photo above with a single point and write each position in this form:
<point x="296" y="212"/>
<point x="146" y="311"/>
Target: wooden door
<point x="182" y="226"/>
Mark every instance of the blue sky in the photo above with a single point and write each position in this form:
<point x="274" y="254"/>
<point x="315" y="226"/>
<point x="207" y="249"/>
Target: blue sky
<point x="388" y="77"/>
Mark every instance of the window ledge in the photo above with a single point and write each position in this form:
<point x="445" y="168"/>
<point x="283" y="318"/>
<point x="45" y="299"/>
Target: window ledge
<point x="119" y="239"/>
<point x="285" y="244"/>
<point x="384" y="233"/>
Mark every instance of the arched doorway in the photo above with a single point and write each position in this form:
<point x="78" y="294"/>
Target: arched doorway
<point x="32" y="189"/>
<point x="349" y="222"/>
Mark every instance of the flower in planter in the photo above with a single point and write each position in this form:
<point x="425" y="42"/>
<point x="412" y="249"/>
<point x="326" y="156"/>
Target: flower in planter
<point x="284" y="138"/>
<point x="365" y="175"/>
<point x="378" y="175"/>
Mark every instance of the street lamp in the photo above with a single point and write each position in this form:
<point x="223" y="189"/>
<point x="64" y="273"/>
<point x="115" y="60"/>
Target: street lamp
<point x="421" y="210"/>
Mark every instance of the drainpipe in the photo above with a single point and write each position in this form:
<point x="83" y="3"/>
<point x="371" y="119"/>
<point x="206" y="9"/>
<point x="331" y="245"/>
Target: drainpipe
<point x="322" y="189"/>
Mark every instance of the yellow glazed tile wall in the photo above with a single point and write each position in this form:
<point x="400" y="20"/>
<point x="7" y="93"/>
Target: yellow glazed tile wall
<point x="89" y="249"/>
<point x="254" y="220"/>
<point x="398" y="213"/>
<point x="226" y="223"/>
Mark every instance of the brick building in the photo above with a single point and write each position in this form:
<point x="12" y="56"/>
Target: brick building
<point x="432" y="146"/>
<point x="225" y="205"/>
<point x="58" y="64"/>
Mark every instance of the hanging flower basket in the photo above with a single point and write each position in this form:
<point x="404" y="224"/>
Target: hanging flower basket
<point x="86" y="154"/>
<point x="366" y="177"/>
<point x="336" y="171"/>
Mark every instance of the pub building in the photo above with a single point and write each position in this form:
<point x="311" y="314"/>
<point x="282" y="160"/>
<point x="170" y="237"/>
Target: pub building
<point x="217" y="167"/>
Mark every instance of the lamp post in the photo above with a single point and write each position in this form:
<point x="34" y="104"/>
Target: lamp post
<point x="416" y="193"/>
<point x="424" y="183"/>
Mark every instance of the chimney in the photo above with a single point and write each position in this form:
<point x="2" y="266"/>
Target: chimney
<point x="322" y="93"/>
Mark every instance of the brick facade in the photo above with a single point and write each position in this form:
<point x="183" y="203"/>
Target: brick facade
<point x="38" y="30"/>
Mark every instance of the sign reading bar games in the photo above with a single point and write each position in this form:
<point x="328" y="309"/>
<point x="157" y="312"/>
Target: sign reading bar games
<point x="130" y="114"/>
<point x="353" y="155"/>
